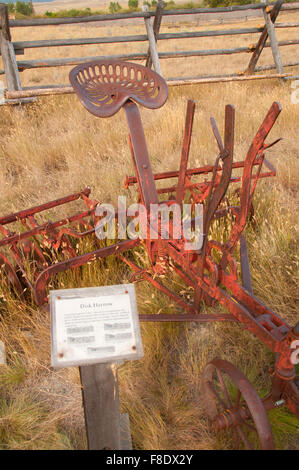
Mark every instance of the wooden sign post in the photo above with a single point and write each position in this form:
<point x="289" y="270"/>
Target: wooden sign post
<point x="101" y="406"/>
<point x="96" y="328"/>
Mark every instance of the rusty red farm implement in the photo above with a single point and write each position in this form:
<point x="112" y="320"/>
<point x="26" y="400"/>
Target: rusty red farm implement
<point x="210" y="270"/>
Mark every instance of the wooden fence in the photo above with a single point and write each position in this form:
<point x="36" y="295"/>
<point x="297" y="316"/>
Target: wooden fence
<point x="14" y="93"/>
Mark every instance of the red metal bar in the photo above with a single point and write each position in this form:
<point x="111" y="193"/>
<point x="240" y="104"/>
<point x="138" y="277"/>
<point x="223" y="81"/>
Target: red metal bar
<point x="200" y="318"/>
<point x="213" y="200"/>
<point x="42" y="229"/>
<point x="253" y="152"/>
<point x="41" y="282"/>
<point x="145" y="176"/>
<point x="185" y="152"/>
<point x="130" y="180"/>
<point x="48" y="205"/>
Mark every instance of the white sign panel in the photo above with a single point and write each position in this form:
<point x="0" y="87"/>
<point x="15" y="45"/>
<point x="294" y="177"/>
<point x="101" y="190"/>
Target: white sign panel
<point x="94" y="325"/>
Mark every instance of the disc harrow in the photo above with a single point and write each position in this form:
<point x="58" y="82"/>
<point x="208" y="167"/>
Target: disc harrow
<point x="104" y="87"/>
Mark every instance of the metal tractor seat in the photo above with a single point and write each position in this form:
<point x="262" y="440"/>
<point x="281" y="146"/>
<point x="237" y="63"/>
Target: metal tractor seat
<point x="104" y="87"/>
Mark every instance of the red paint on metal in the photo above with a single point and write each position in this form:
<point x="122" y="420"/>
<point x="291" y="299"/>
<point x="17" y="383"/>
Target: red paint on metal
<point x="209" y="280"/>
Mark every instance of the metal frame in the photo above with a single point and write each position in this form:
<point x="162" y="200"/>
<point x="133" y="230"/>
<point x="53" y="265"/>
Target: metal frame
<point x="104" y="88"/>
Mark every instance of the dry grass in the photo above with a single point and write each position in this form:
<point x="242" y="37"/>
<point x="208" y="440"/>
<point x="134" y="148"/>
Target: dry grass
<point x="55" y="147"/>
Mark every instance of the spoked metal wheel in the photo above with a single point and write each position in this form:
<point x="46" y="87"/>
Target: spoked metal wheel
<point x="234" y="406"/>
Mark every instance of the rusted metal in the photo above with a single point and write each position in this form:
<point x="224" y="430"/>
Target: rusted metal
<point x="205" y="170"/>
<point x="214" y="198"/>
<point x="210" y="271"/>
<point x="245" y="268"/>
<point x="145" y="177"/>
<point x="105" y="86"/>
<point x="39" y="241"/>
<point x="185" y="152"/>
<point x="240" y="302"/>
<point x="233" y="404"/>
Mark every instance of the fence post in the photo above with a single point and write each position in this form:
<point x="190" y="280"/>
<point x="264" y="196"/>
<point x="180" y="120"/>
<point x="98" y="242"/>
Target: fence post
<point x="101" y="406"/>
<point x="151" y="40"/>
<point x="156" y="28"/>
<point x="263" y="38"/>
<point x="7" y="51"/>
<point x="273" y="39"/>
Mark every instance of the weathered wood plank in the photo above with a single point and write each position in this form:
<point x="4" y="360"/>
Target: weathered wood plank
<point x="228" y="75"/>
<point x="23" y="65"/>
<point x="240" y="78"/>
<point x="10" y="65"/>
<point x="286" y="25"/>
<point x="83" y="41"/>
<point x="290" y="42"/>
<point x="125" y="432"/>
<point x="74" y="20"/>
<point x="119" y="16"/>
<point x="273" y="40"/>
<point x="263" y="38"/>
<point x="7" y="52"/>
<point x="39" y="92"/>
<point x="271" y="67"/>
<point x="152" y="41"/>
<point x="209" y="33"/>
<point x="156" y="28"/>
<point x="18" y="101"/>
<point x="54" y="90"/>
<point x="78" y="41"/>
<point x="137" y="38"/>
<point x="286" y="7"/>
<point x="4" y="22"/>
<point x="101" y="406"/>
<point x="17" y="51"/>
<point x="293" y="77"/>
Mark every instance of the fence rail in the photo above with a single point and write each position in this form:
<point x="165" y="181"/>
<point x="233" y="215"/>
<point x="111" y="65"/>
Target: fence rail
<point x="122" y="16"/>
<point x="12" y="67"/>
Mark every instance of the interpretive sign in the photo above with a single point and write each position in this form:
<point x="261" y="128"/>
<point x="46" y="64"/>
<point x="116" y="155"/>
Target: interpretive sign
<point x="94" y="325"/>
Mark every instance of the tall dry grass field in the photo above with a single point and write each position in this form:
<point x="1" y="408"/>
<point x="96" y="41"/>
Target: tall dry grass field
<point x="53" y="148"/>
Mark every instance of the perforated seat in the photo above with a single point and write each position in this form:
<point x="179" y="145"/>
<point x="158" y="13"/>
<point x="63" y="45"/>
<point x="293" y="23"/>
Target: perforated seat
<point x="104" y="86"/>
